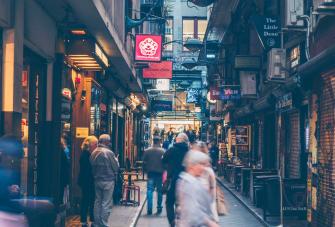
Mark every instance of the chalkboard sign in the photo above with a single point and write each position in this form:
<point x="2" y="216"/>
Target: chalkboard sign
<point x="294" y="198"/>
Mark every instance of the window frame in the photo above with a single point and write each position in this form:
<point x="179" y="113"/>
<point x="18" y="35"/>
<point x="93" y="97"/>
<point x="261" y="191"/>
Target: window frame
<point x="195" y="27"/>
<point x="171" y="44"/>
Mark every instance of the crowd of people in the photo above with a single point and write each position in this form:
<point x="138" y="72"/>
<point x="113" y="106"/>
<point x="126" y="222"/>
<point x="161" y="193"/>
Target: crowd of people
<point x="189" y="182"/>
<point x="183" y="171"/>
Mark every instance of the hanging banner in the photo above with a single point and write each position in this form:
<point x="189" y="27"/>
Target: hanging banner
<point x="230" y="92"/>
<point x="161" y="70"/>
<point x="148" y="48"/>
<point x="214" y="93"/>
<point x="268" y="29"/>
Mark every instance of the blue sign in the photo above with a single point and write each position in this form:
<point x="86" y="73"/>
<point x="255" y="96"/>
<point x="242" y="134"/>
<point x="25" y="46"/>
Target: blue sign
<point x="161" y="105"/>
<point x="268" y="29"/>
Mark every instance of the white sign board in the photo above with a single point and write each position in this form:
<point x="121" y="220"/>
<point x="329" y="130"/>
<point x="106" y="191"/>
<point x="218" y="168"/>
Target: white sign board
<point x="163" y="84"/>
<point x="248" y="83"/>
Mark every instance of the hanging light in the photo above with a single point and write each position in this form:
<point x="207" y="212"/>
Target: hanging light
<point x="189" y="63"/>
<point x="193" y="45"/>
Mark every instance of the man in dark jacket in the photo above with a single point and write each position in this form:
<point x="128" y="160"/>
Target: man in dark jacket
<point x="173" y="159"/>
<point x="153" y="165"/>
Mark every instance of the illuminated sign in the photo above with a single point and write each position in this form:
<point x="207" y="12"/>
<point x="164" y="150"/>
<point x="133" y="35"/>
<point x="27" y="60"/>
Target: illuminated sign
<point x="148" y="48"/>
<point x="100" y="54"/>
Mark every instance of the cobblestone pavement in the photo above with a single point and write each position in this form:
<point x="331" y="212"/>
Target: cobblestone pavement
<point x="238" y="216"/>
<point x="122" y="216"/>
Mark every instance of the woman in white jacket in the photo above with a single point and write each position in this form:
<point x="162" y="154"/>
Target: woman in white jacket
<point x="208" y="178"/>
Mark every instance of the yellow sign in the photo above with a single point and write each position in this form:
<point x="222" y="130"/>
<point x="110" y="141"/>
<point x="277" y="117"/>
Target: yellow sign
<point x="81" y="132"/>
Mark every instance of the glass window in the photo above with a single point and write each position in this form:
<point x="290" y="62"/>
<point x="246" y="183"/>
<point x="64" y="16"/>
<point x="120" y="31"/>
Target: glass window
<point x="24" y="129"/>
<point x="194" y="28"/>
<point x="202" y="25"/>
<point x="169" y="34"/>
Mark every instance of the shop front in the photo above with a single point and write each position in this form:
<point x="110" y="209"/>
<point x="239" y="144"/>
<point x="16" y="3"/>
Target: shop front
<point x="1" y="53"/>
<point x="33" y="116"/>
<point x="87" y="106"/>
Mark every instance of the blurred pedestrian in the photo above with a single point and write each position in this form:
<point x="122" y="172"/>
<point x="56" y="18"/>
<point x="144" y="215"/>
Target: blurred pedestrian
<point x="16" y="211"/>
<point x="170" y="135"/>
<point x="208" y="178"/>
<point x="64" y="173"/>
<point x="173" y="159"/>
<point x="194" y="201"/>
<point x="166" y="144"/>
<point x="105" y="167"/>
<point x="85" y="179"/>
<point x="153" y="165"/>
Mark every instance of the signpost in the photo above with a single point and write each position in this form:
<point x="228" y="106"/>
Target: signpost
<point x="148" y="48"/>
<point x="284" y="103"/>
<point x="268" y="29"/>
<point x="161" y="70"/>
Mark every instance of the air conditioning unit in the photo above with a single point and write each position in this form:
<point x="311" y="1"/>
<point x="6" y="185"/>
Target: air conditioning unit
<point x="294" y="9"/>
<point x="327" y="6"/>
<point x="277" y="65"/>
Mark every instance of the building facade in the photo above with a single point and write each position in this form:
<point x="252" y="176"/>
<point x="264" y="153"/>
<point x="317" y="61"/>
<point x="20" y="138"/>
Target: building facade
<point x="65" y="76"/>
<point x="286" y="114"/>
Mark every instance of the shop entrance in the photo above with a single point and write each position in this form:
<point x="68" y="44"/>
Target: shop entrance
<point x="33" y="118"/>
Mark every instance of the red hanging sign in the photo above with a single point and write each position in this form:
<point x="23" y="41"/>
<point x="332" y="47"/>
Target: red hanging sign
<point x="161" y="70"/>
<point x="148" y="48"/>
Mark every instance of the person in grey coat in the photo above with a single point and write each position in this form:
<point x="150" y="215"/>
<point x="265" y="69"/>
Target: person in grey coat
<point x="193" y="200"/>
<point x="152" y="160"/>
<point x="105" y="167"/>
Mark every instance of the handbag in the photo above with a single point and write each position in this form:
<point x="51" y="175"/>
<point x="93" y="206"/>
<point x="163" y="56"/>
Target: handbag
<point x="220" y="203"/>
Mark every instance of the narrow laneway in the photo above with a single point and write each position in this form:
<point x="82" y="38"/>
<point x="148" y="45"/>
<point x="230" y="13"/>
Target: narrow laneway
<point x="238" y="216"/>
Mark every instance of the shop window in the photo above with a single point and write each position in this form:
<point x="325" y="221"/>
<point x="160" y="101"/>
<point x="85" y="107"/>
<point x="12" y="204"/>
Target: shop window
<point x="95" y="116"/>
<point x="194" y="28"/>
<point x="24" y="129"/>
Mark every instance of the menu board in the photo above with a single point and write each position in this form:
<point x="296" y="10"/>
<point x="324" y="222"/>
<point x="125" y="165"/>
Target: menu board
<point x="242" y="135"/>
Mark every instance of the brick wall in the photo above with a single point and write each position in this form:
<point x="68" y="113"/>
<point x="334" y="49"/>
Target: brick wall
<point x="294" y="145"/>
<point x="326" y="156"/>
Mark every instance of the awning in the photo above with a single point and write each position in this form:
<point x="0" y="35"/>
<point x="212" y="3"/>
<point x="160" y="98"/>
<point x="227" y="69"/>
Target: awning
<point x="85" y="54"/>
<point x="319" y="64"/>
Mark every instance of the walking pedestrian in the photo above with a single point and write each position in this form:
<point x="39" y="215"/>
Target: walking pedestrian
<point x="153" y="165"/>
<point x="194" y="201"/>
<point x="208" y="178"/>
<point x="85" y="179"/>
<point x="173" y="159"/>
<point x="105" y="168"/>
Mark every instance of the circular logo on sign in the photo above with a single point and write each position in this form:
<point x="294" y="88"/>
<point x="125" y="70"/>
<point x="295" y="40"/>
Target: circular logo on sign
<point x="148" y="47"/>
<point x="271" y="42"/>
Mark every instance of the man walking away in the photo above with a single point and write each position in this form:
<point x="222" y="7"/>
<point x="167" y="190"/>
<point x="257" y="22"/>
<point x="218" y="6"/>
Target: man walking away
<point x="104" y="167"/>
<point x="173" y="159"/>
<point x="153" y="165"/>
